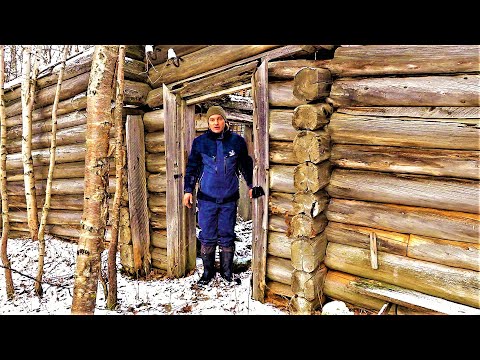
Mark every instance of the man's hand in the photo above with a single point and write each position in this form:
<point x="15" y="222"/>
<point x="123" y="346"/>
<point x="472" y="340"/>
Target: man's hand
<point x="250" y="193"/>
<point x="188" y="200"/>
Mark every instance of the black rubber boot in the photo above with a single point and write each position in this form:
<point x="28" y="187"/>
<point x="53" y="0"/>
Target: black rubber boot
<point x="207" y="253"/>
<point x="226" y="262"/>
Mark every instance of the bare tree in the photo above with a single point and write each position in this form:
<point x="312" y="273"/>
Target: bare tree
<point x="119" y="156"/>
<point x="3" y="174"/>
<point x="99" y="97"/>
<point x="51" y="166"/>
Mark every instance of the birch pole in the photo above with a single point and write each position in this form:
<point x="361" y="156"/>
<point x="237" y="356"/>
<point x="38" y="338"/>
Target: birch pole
<point x="48" y="190"/>
<point x="92" y="235"/>
<point x="3" y="175"/>
<point x="117" y="115"/>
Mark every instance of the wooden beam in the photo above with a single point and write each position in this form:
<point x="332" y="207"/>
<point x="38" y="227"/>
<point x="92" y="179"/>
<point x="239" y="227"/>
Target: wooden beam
<point x="260" y="178"/>
<point x="137" y="193"/>
<point x="199" y="99"/>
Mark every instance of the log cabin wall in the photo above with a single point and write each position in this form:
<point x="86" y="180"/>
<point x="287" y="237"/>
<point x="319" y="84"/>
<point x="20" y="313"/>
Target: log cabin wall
<point x="404" y="207"/>
<point x="66" y="207"/>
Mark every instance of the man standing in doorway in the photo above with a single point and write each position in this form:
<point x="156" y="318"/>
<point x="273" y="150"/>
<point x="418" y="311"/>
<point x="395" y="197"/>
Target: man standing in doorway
<point x="216" y="160"/>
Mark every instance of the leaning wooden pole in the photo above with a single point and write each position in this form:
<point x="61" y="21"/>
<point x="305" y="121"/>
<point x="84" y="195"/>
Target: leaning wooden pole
<point x="99" y="96"/>
<point x="48" y="190"/>
<point x="3" y="175"/>
<point x="117" y="115"/>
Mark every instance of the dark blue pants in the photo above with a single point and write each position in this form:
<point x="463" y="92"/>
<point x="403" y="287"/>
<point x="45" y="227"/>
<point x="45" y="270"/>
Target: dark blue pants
<point x="217" y="222"/>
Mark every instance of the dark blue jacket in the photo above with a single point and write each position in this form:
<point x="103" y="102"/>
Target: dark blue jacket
<point x="216" y="161"/>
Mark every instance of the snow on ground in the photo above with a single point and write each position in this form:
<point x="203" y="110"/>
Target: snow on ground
<point x="157" y="296"/>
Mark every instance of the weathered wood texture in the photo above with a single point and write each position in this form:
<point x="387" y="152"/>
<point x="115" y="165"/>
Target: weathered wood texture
<point x="158" y="238"/>
<point x="280" y="94"/>
<point x="311" y="116"/>
<point x="155" y="142"/>
<point x="279" y="245"/>
<point x="135" y="93"/>
<point x="454" y="90"/>
<point x="286" y="69"/>
<point x="157" y="183"/>
<point x="448" y="225"/>
<point x="160" y="52"/>
<point x="279" y="269"/>
<point x="203" y="60"/>
<point x="308" y="203"/>
<point x="279" y="223"/>
<point x="308" y="253"/>
<point x="281" y="152"/>
<point x="280" y="289"/>
<point x="311" y="84"/>
<point x="154" y="120"/>
<point x="281" y="178"/>
<point x="305" y="226"/>
<point x="280" y="125"/>
<point x="415" y="190"/>
<point x="312" y="146"/>
<point x="59" y="186"/>
<point x="436" y="162"/>
<point x="460" y="134"/>
<point x="404" y="60"/>
<point x="424" y="112"/>
<point x="454" y="284"/>
<point x="156" y="163"/>
<point x="159" y="258"/>
<point x="309" y="284"/>
<point x="280" y="203"/>
<point x="311" y="177"/>
<point x="135" y="52"/>
<point x="157" y="203"/>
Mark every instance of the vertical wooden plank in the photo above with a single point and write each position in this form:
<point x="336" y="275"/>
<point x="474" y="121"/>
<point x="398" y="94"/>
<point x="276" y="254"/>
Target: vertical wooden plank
<point x="189" y="233"/>
<point x="260" y="178"/>
<point x="137" y="193"/>
<point x="373" y="250"/>
<point x="175" y="245"/>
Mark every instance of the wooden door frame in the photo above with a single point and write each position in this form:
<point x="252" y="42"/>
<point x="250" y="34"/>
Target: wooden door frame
<point x="179" y="134"/>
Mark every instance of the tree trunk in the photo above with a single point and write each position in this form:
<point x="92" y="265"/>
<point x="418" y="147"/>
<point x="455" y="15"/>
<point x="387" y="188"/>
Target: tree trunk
<point x="311" y="177"/>
<point x="280" y="93"/>
<point x="359" y="236"/>
<point x="156" y="163"/>
<point x="461" y="134"/>
<point x="311" y="116"/>
<point x="309" y="285"/>
<point x="96" y="179"/>
<point x="375" y="60"/>
<point x="280" y="203"/>
<point x="279" y="245"/>
<point x="286" y="69"/>
<point x="280" y="125"/>
<point x="279" y="269"/>
<point x="306" y="226"/>
<point x="308" y="203"/>
<point x="448" y="225"/>
<point x="9" y="288"/>
<point x="312" y="84"/>
<point x="281" y="178"/>
<point x="446" y="252"/>
<point x="455" y="90"/>
<point x="154" y="120"/>
<point x="454" y="284"/>
<point x="308" y="254"/>
<point x="155" y="142"/>
<point x="415" y="190"/>
<point x="436" y="162"/>
<point x="312" y="146"/>
<point x="281" y="152"/>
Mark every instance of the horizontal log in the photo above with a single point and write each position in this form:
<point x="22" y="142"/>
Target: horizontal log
<point x="341" y="286"/>
<point x="376" y="60"/>
<point x="279" y="223"/>
<point x="280" y="125"/>
<point x="415" y="190"/>
<point x="159" y="258"/>
<point x="302" y="306"/>
<point x="135" y="93"/>
<point x="280" y="94"/>
<point x="279" y="244"/>
<point x="311" y="84"/>
<point x="448" y="225"/>
<point x="305" y="226"/>
<point x="455" y="90"/>
<point x="280" y="203"/>
<point x="359" y="236"/>
<point x="311" y="116"/>
<point x="424" y="112"/>
<point x="135" y="52"/>
<point x="158" y="221"/>
<point x="69" y="120"/>
<point x="160" y="52"/>
<point x="311" y="177"/>
<point x="461" y="134"/>
<point x="58" y="217"/>
<point x="232" y="102"/>
<point x="312" y="146"/>
<point x="281" y="178"/>
<point x="157" y="203"/>
<point x="446" y="252"/>
<point x="308" y="203"/>
<point x="309" y="284"/>
<point x="156" y="163"/>
<point x="155" y="98"/>
<point x="203" y="60"/>
<point x="436" y="162"/>
<point x="281" y="152"/>
<point x="59" y="187"/>
<point x="154" y="120"/>
<point x="45" y="96"/>
<point x="78" y="102"/>
<point x="279" y="269"/>
<point x="157" y="183"/>
<point x="158" y="238"/>
<point x="155" y="142"/>
<point x="454" y="284"/>
<point x="57" y="202"/>
<point x="135" y="70"/>
<point x="308" y="253"/>
<point x="286" y="69"/>
<point x="280" y="289"/>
